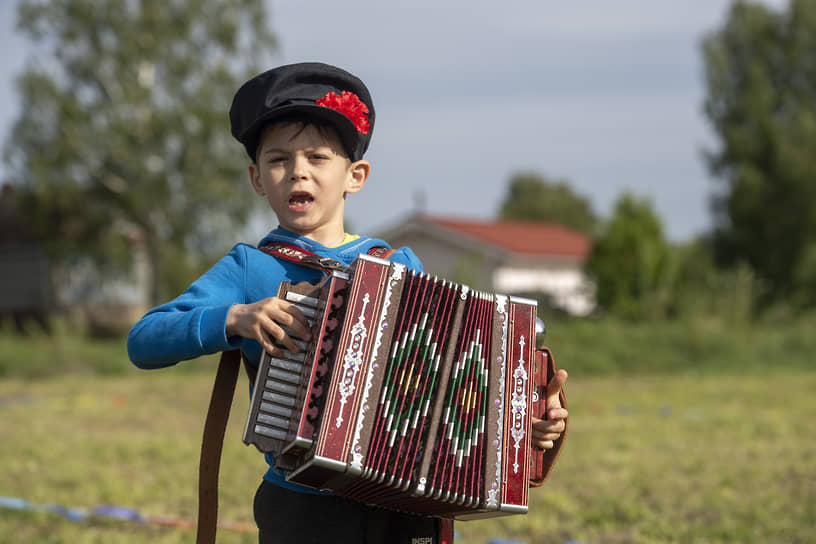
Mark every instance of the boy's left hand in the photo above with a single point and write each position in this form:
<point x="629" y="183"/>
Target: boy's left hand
<point x="547" y="431"/>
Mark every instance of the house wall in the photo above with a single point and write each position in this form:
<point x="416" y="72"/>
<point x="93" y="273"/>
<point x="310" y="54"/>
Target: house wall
<point x="441" y="258"/>
<point x="564" y="281"/>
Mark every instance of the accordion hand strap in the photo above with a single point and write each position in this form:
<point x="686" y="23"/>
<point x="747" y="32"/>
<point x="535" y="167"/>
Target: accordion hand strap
<point x="543" y="461"/>
<point x="211" y="444"/>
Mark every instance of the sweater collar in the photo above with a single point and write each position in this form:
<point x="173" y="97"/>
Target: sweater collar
<point x="343" y="252"/>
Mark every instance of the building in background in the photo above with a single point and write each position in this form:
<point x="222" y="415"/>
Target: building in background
<point x="25" y="286"/>
<point x="537" y="260"/>
<point x="33" y="289"/>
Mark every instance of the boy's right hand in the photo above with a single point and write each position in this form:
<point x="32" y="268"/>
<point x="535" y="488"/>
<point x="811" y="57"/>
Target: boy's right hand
<point x="269" y="321"/>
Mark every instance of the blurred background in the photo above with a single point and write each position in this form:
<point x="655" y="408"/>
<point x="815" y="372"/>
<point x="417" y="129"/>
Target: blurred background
<point x="645" y="170"/>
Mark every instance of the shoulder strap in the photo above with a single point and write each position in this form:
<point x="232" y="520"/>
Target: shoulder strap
<point x="381" y="252"/>
<point x="211" y="444"/>
<point x="298" y="255"/>
<point x="304" y="257"/>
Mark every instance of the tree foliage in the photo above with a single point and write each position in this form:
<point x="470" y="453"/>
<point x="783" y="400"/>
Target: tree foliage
<point x="761" y="102"/>
<point x="533" y="197"/>
<point x="123" y="134"/>
<point x="628" y="260"/>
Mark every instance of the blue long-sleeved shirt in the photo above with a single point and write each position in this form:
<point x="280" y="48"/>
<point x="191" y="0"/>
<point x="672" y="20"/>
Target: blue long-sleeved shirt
<point x="194" y="323"/>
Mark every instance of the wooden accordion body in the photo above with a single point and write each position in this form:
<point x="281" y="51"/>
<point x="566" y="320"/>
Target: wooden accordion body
<point x="415" y="394"/>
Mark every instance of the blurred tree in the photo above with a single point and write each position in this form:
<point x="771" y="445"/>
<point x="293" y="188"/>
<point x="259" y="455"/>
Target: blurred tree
<point x="761" y="84"/>
<point x="534" y="197"/>
<point x="123" y="135"/>
<point x="700" y="290"/>
<point x="628" y="261"/>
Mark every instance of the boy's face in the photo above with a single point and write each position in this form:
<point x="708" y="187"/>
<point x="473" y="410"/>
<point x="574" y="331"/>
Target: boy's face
<point x="304" y="174"/>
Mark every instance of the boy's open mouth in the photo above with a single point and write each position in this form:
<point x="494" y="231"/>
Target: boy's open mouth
<point x="300" y="201"/>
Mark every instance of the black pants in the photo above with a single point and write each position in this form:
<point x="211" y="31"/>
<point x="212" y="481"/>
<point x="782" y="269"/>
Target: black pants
<point x="285" y="516"/>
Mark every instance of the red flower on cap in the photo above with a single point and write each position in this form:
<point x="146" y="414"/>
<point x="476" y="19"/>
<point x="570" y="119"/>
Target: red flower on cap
<point x="350" y="105"/>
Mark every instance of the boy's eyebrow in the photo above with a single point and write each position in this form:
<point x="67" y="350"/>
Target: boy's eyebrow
<point x="267" y="150"/>
<point x="311" y="148"/>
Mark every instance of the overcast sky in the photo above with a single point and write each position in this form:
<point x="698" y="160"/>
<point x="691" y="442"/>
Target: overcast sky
<point x="605" y="95"/>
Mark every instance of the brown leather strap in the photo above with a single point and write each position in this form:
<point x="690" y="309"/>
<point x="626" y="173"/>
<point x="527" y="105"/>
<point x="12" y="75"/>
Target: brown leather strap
<point x="212" y="442"/>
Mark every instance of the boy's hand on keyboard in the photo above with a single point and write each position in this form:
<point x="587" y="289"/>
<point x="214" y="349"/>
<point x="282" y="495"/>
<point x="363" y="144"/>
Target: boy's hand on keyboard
<point x="272" y="322"/>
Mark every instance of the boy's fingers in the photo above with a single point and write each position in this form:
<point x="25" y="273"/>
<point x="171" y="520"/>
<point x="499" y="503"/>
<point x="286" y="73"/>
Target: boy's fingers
<point x="556" y="426"/>
<point x="557" y="414"/>
<point x="289" y="344"/>
<point x="294" y="318"/>
<point x="543" y="444"/>
<point x="273" y="350"/>
<point x="278" y="335"/>
<point x="554" y="388"/>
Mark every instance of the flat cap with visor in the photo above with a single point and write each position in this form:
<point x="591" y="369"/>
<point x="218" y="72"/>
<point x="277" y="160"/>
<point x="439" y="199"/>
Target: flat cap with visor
<point x="302" y="91"/>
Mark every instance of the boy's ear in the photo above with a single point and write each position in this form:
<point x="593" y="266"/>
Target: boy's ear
<point x="358" y="175"/>
<point x="255" y="179"/>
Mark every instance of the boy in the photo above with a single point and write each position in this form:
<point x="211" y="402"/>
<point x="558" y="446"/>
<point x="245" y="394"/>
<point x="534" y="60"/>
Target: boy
<point x="305" y="128"/>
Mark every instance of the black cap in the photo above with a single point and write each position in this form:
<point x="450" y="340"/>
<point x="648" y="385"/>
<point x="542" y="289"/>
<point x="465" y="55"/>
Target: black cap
<point x="310" y="89"/>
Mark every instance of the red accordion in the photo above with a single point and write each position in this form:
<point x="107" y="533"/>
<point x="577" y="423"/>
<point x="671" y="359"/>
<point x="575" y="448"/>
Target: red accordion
<point x="415" y="394"/>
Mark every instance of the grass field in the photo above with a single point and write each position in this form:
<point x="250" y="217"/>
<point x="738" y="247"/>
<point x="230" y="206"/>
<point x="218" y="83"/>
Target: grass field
<point x="652" y="457"/>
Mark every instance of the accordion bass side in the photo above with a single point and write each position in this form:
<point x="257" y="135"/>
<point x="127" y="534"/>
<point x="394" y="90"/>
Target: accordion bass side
<point x="414" y="394"/>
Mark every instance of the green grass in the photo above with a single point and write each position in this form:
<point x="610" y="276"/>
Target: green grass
<point x="657" y="459"/>
<point x="678" y="433"/>
<point x="715" y="459"/>
<point x="131" y="440"/>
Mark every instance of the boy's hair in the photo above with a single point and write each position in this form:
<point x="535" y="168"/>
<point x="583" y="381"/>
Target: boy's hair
<point x="308" y="92"/>
<point x="326" y="129"/>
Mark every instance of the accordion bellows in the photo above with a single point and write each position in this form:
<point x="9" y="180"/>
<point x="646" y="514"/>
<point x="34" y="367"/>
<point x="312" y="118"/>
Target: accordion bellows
<point x="415" y="393"/>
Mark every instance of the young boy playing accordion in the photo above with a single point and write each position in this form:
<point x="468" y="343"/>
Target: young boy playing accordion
<point x="305" y="128"/>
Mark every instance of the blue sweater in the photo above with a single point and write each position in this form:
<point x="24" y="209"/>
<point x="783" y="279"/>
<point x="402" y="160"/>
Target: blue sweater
<point x="194" y="324"/>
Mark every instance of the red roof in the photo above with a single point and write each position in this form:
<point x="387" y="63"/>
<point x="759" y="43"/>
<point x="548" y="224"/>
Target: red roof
<point x="522" y="237"/>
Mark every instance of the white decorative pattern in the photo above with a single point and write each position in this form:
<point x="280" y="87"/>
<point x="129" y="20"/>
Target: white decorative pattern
<point x="501" y="311"/>
<point x="396" y="276"/>
<point x="352" y="360"/>
<point x="519" y="403"/>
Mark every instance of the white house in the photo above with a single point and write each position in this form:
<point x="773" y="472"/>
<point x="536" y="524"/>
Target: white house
<point x="508" y="257"/>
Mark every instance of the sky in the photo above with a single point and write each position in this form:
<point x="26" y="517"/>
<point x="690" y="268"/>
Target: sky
<point x="604" y="95"/>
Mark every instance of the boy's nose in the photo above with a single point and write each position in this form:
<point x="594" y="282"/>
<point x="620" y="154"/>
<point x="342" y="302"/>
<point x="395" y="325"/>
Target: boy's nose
<point x="298" y="168"/>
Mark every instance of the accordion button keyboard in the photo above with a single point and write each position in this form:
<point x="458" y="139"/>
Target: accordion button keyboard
<point x="305" y="303"/>
<point x="283" y="375"/>
<point x="278" y="409"/>
<point x="285" y="364"/>
<point x="292" y="356"/>
<point x="273" y="421"/>
<point x="286" y="400"/>
<point x="279" y="387"/>
<point x="270" y="432"/>
<point x="303" y="347"/>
